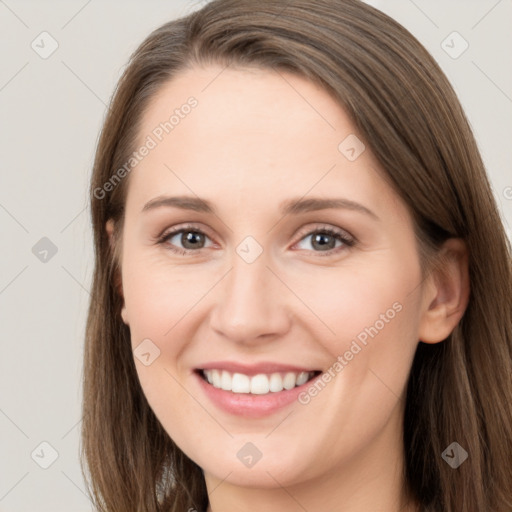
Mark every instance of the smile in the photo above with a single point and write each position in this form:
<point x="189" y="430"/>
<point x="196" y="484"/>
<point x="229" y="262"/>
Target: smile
<point x="260" y="384"/>
<point x="250" y="389"/>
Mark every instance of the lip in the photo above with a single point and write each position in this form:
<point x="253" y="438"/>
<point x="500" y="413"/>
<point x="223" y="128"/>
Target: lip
<point x="248" y="405"/>
<point x="254" y="369"/>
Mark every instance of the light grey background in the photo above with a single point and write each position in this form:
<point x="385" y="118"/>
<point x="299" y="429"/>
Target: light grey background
<point x="51" y="112"/>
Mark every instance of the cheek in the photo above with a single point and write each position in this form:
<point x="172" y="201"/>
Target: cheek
<point x="372" y="314"/>
<point x="352" y="298"/>
<point x="160" y="303"/>
<point x="165" y="304"/>
<point x="373" y="310"/>
<point x="157" y="296"/>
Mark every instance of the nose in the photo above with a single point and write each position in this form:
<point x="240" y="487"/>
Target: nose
<point x="251" y="303"/>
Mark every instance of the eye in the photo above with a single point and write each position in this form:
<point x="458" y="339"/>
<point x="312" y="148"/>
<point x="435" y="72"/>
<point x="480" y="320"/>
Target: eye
<point x="324" y="239"/>
<point x="190" y="237"/>
<point x="193" y="239"/>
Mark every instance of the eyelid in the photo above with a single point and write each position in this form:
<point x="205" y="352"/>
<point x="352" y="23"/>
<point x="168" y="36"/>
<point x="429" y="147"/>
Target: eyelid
<point x="343" y="233"/>
<point x="182" y="227"/>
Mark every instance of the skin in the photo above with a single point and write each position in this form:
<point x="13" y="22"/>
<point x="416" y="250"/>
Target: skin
<point x="258" y="138"/>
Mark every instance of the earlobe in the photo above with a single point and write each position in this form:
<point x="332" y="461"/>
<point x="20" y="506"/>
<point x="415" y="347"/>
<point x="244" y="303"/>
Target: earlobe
<point x="446" y="293"/>
<point x="118" y="284"/>
<point x="124" y="315"/>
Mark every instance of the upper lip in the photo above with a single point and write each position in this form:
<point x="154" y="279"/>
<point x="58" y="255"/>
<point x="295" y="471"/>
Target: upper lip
<point x="254" y="369"/>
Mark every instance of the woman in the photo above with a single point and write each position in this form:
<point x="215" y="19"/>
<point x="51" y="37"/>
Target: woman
<point x="302" y="291"/>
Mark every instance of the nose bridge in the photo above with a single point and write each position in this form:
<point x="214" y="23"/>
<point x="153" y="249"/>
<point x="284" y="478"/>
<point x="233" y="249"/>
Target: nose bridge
<point x="250" y="304"/>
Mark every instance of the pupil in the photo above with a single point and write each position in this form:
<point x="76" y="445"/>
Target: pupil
<point x="190" y="238"/>
<point x="320" y="238"/>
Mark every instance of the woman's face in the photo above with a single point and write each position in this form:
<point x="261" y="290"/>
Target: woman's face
<point x="263" y="296"/>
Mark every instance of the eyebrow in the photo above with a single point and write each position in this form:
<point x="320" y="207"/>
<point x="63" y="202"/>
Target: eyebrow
<point x="290" y="206"/>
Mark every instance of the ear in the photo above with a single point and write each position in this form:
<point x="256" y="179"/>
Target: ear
<point x="118" y="284"/>
<point x="446" y="293"/>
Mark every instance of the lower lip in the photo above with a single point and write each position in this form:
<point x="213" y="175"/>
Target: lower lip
<point x="249" y="405"/>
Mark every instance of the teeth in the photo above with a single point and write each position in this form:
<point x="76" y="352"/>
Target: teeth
<point x="302" y="378"/>
<point x="260" y="384"/>
<point x="225" y="381"/>
<point x="240" y="383"/>
<point x="276" y="383"/>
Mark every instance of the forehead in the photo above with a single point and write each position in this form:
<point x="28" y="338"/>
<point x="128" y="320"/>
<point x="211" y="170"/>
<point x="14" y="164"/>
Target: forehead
<point x="252" y="133"/>
<point x="252" y="91"/>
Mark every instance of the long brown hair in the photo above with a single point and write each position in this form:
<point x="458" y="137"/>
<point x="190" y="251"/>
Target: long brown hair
<point x="408" y="114"/>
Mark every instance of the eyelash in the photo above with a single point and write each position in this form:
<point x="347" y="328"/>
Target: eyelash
<point x="339" y="235"/>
